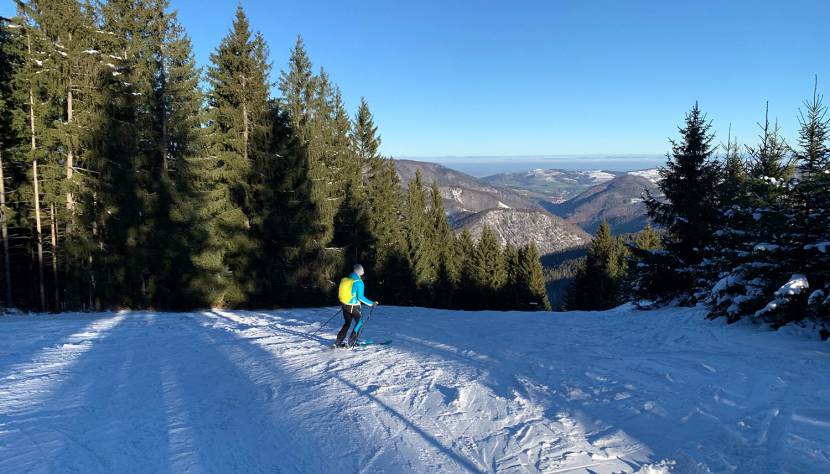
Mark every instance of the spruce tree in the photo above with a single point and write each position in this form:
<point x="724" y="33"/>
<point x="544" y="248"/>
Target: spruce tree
<point x="239" y="128"/>
<point x="419" y="237"/>
<point x="598" y="284"/>
<point x="192" y="264"/>
<point x="809" y="217"/>
<point x="531" y="280"/>
<point x="443" y="240"/>
<point x="687" y="212"/>
<point x="468" y="293"/>
<point x="388" y="252"/>
<point x="10" y="60"/>
<point x="489" y="268"/>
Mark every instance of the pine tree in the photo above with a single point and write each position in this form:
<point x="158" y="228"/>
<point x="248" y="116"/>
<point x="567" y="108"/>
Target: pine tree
<point x="365" y="136"/>
<point x="419" y="237"/>
<point x="9" y="62"/>
<point x="239" y="128"/>
<point x="809" y="218"/>
<point x="647" y="239"/>
<point x="192" y="265"/>
<point x="389" y="254"/>
<point x="468" y="292"/>
<point x="531" y="280"/>
<point x="316" y="112"/>
<point x="732" y="190"/>
<point x="512" y="292"/>
<point x="489" y="268"/>
<point x="688" y="213"/>
<point x="598" y="284"/>
<point x="443" y="240"/>
<point x="750" y="252"/>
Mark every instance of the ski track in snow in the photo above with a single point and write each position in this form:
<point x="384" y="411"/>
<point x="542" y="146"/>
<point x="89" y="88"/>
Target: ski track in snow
<point x="251" y="391"/>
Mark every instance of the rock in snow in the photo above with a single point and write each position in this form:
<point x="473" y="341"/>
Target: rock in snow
<point x="249" y="391"/>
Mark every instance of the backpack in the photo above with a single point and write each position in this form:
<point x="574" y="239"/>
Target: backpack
<point x="345" y="291"/>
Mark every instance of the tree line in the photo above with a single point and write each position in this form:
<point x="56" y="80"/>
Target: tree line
<point x="131" y="178"/>
<point x="745" y="231"/>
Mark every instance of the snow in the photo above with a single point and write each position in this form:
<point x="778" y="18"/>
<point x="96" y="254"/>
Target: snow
<point x="503" y="205"/>
<point x="766" y="247"/>
<point x="251" y="391"/>
<point x="599" y="176"/>
<point x="794" y="286"/>
<point x="822" y="247"/>
<point x="652" y="175"/>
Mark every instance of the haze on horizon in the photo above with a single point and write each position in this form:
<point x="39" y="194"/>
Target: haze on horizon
<point x="541" y="78"/>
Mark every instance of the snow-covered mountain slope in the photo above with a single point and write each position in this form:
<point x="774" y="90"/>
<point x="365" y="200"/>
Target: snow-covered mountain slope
<point x="551" y="185"/>
<point x="239" y="391"/>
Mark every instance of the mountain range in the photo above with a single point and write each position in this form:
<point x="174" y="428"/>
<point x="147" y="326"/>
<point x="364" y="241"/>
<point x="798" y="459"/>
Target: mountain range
<point x="472" y="203"/>
<point x="551" y="185"/>
<point x="555" y="209"/>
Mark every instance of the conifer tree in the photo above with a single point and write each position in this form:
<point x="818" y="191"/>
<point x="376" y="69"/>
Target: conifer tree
<point x="512" y="293"/>
<point x="531" y="280"/>
<point x="192" y="262"/>
<point x="489" y="269"/>
<point x="688" y="212"/>
<point x="388" y="253"/>
<point x="9" y="61"/>
<point x="447" y="271"/>
<point x="365" y="136"/>
<point x="419" y="236"/>
<point x="647" y="239"/>
<point x="468" y="291"/>
<point x="239" y="128"/>
<point x="809" y="217"/>
<point x="598" y="282"/>
<point x="751" y="247"/>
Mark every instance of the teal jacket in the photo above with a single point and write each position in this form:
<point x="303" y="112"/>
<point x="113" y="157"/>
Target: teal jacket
<point x="357" y="291"/>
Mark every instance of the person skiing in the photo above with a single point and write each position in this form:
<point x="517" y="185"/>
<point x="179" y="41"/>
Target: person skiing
<point x="350" y="294"/>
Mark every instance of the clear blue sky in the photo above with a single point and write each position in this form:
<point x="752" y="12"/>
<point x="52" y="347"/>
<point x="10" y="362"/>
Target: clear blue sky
<point x="545" y="77"/>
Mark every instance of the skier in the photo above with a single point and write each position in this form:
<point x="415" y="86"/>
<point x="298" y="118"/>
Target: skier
<point x="350" y="294"/>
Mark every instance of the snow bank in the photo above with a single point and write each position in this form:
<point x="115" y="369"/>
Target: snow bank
<point x="248" y="391"/>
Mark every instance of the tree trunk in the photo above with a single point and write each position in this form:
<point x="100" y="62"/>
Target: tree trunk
<point x="244" y="124"/>
<point x="36" y="188"/>
<point x="4" y="234"/>
<point x="54" y="238"/>
<point x="39" y="234"/>
<point x="70" y="156"/>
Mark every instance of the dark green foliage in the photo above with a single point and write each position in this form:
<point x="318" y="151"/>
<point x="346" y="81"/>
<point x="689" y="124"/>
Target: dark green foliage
<point x="598" y="283"/>
<point x="419" y="236"/>
<point x="559" y="279"/>
<point x="530" y="281"/>
<point x="688" y="212"/>
<point x="127" y="185"/>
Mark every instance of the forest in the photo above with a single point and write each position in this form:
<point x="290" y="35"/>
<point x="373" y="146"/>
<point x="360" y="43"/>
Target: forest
<point x="744" y="231"/>
<point x="131" y="178"/>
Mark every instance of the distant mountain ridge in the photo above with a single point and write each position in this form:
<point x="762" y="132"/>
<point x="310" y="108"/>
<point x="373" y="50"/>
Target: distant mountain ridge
<point x="463" y="194"/>
<point x="551" y="185"/>
<point x="471" y="203"/>
<point x="619" y="201"/>
<point x="550" y="233"/>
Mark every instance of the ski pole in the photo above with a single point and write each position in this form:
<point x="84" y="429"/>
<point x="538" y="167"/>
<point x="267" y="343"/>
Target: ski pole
<point x="325" y="323"/>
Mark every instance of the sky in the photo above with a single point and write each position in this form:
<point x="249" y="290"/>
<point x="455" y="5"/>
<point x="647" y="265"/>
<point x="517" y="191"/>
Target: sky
<point x="558" y="77"/>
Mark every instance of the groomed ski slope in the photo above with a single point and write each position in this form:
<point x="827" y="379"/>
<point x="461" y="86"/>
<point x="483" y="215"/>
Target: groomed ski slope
<point x="238" y="391"/>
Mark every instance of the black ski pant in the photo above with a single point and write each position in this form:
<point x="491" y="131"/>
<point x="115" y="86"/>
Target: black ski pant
<point x="350" y="313"/>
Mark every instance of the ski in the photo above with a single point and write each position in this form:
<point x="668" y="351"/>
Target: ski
<point x="370" y="342"/>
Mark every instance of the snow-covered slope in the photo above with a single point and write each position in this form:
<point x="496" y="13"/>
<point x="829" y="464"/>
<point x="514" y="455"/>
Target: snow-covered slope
<point x="222" y="391"/>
